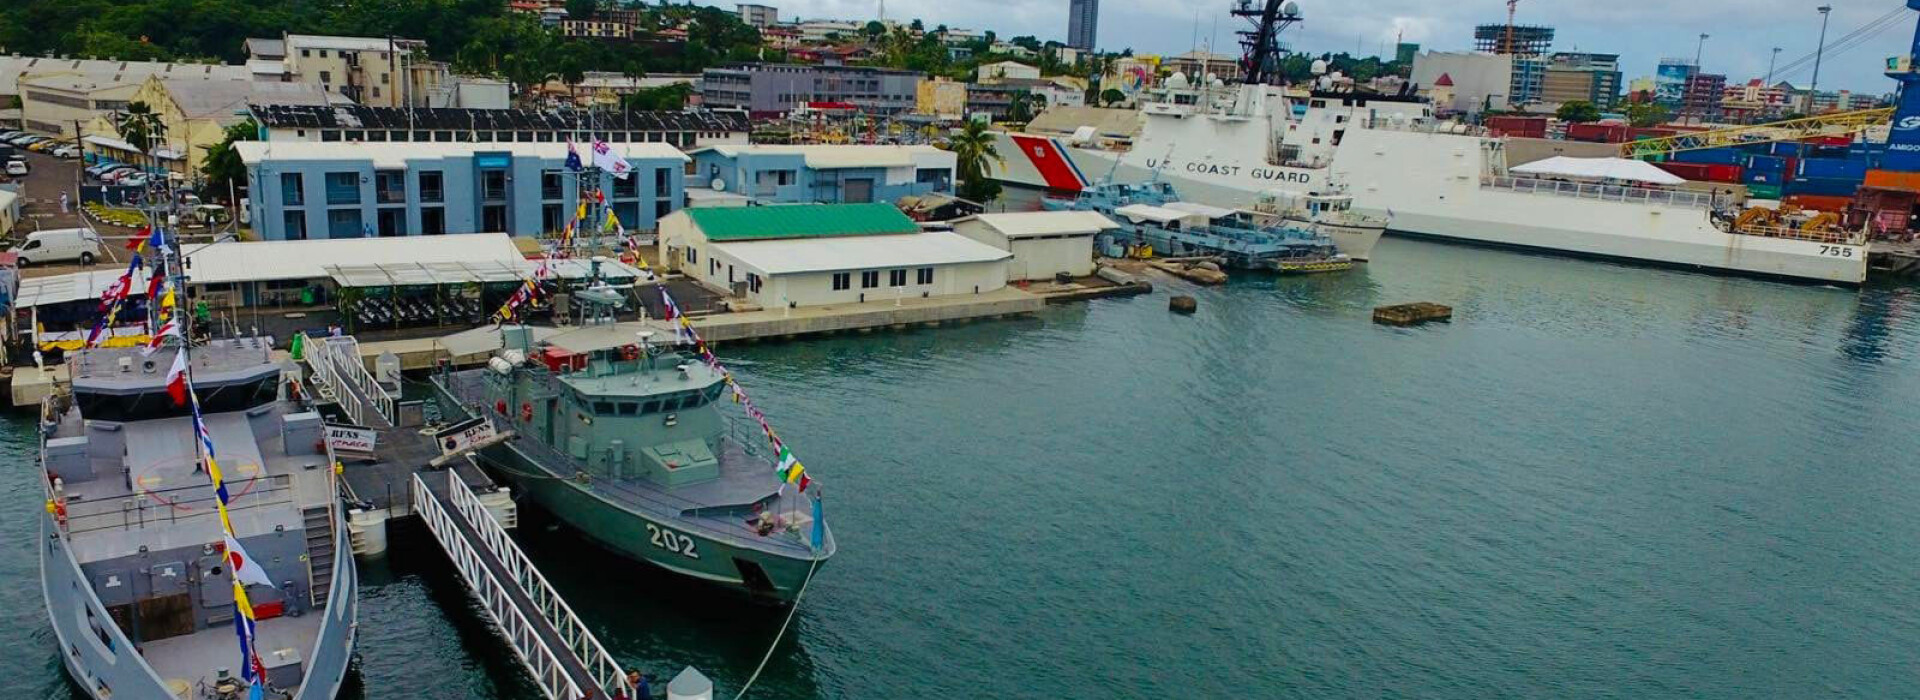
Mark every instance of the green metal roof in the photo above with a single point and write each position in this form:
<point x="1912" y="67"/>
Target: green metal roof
<point x="800" y="221"/>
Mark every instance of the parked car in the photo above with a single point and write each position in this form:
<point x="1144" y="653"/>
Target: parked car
<point x="10" y="133"/>
<point x="116" y="175"/>
<point x="134" y="180"/>
<point x="101" y="169"/>
<point x="44" y="146"/>
<point x="66" y="152"/>
<point x="17" y="168"/>
<point x="59" y="245"/>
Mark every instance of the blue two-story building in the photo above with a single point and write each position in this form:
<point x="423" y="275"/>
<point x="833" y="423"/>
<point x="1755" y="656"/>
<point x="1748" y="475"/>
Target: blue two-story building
<point x="302" y="190"/>
<point x="823" y="174"/>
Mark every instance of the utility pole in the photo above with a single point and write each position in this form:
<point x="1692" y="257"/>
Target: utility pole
<point x="1822" y="48"/>
<point x="1770" y="62"/>
<point x="1766" y="88"/>
<point x="1698" y="49"/>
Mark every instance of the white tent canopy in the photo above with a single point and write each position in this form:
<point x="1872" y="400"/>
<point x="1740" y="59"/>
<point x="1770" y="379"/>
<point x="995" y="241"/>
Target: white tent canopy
<point x="1601" y="168"/>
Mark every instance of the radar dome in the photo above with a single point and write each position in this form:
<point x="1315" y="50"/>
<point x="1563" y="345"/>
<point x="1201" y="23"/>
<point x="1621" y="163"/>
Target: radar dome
<point x="1177" y="81"/>
<point x="1292" y="9"/>
<point x="1319" y="66"/>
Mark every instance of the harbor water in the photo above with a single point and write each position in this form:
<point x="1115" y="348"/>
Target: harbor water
<point x="1596" y="481"/>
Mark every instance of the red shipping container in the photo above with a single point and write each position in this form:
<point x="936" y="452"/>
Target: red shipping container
<point x="1597" y="133"/>
<point x="1817" y="202"/>
<point x="1525" y="127"/>
<point x="1722" y="173"/>
<point x="1697" y="172"/>
<point x="1828" y="140"/>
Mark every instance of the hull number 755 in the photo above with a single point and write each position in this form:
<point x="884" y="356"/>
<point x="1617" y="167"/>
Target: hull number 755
<point x="1838" y="251"/>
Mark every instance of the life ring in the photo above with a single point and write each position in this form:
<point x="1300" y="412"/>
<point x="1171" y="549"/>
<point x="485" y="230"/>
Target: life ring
<point x="526" y="413"/>
<point x="630" y="352"/>
<point x="500" y="407"/>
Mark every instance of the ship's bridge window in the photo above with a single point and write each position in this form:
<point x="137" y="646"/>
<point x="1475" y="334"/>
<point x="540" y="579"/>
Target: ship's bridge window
<point x="651" y="407"/>
<point x="604" y="408"/>
<point x="629" y="408"/>
<point x="1320" y="104"/>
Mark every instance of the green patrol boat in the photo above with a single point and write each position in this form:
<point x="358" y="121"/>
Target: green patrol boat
<point x="629" y="446"/>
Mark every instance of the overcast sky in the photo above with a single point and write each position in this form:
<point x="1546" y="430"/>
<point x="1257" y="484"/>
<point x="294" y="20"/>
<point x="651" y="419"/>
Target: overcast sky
<point x="1742" y="33"/>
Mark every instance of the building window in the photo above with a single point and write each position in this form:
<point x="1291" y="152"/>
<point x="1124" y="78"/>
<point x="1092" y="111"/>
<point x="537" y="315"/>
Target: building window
<point x="389" y="186"/>
<point x="693" y="254"/>
<point x="924" y="276"/>
<point x="550" y="218"/>
<point x="433" y="221"/>
<point x="550" y="185"/>
<point x="291" y="192"/>
<point x="870" y="279"/>
<point x="325" y="77"/>
<point x="343" y="188"/>
<point x="430" y="186"/>
<point x="344" y="223"/>
<point x="896" y="278"/>
<point x="661" y="186"/>
<point x="296" y="223"/>
<point x="626" y="187"/>
<point x="493" y="218"/>
<point x="376" y="88"/>
<point x="753" y="282"/>
<point x="662" y="208"/>
<point x="493" y="184"/>
<point x="842" y="281"/>
<point x="391" y="221"/>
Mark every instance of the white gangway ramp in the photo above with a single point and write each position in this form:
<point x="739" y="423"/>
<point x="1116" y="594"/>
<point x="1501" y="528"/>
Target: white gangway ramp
<point x="562" y="655"/>
<point x="339" y="372"/>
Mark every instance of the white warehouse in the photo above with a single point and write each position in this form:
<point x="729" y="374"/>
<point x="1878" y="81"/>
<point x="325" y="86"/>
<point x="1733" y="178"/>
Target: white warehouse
<point x="816" y="254"/>
<point x="1043" y="243"/>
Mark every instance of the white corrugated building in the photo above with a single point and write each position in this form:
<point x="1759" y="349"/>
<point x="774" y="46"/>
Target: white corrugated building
<point x="1043" y="243"/>
<point x="813" y="254"/>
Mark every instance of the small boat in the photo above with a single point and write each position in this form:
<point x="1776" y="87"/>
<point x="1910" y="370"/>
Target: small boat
<point x="1329" y="211"/>
<point x="1151" y="215"/>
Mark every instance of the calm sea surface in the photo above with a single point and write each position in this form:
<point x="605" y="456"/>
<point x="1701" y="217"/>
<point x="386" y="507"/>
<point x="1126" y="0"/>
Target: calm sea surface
<point x="1598" y="481"/>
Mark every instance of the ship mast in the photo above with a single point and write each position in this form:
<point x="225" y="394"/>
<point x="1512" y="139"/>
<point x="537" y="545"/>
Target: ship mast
<point x="1260" y="46"/>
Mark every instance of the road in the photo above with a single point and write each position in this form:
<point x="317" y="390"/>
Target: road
<point x="47" y="177"/>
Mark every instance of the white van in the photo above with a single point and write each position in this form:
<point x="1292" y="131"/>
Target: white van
<point x="58" y="245"/>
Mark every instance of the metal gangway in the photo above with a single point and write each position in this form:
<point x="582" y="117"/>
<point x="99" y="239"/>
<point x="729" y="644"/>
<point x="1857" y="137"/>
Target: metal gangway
<point x="562" y="655"/>
<point x="339" y="374"/>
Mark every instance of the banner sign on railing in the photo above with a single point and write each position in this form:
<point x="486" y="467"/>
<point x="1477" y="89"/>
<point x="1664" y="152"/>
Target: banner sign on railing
<point x="463" y="436"/>
<point x="351" y="441"/>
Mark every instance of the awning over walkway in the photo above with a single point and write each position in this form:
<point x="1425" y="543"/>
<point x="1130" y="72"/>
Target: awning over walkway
<point x="475" y="272"/>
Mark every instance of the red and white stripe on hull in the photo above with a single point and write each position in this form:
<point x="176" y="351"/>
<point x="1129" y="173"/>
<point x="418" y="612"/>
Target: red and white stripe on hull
<point x="1050" y="160"/>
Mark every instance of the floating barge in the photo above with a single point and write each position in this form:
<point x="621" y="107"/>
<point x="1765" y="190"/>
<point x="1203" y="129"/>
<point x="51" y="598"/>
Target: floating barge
<point x="1412" y="314"/>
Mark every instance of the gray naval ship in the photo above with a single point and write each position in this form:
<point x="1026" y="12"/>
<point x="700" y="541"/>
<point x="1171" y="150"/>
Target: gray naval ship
<point x="131" y="559"/>
<point x="629" y="446"/>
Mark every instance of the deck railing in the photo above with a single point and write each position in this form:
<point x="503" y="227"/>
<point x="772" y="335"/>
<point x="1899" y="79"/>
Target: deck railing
<point x="1606" y="193"/>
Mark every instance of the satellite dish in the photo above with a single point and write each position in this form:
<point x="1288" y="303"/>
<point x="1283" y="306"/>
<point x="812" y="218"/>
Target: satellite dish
<point x="719" y="185"/>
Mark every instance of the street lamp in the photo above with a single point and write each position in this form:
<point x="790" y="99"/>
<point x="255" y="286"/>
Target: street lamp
<point x="1770" y="62"/>
<point x="1697" y="49"/>
<point x="1822" y="48"/>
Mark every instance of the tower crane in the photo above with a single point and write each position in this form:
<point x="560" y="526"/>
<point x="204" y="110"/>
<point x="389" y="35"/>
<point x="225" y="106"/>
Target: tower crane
<point x="1512" y="5"/>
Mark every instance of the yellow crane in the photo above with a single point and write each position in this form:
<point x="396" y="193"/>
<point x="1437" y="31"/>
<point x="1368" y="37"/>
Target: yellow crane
<point x="1835" y="124"/>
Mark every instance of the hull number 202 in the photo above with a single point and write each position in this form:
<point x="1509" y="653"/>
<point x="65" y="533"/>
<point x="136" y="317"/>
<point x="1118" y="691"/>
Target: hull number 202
<point x="672" y="541"/>
<point x="1838" y="251"/>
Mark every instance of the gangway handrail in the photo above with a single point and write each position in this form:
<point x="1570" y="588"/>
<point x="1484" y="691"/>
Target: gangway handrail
<point x="336" y="362"/>
<point x="580" y="640"/>
<point x="542" y="661"/>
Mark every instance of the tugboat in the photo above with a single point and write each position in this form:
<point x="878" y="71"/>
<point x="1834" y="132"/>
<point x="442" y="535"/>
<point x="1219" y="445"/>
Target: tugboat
<point x="629" y="446"/>
<point x="138" y="577"/>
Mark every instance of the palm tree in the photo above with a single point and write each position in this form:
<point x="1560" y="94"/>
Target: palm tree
<point x="972" y="147"/>
<point x="141" y="127"/>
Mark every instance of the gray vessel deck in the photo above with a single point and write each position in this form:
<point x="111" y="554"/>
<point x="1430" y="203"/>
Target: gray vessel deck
<point x="718" y="507"/>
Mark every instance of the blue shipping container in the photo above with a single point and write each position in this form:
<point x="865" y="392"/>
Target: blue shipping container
<point x="1831" y="168"/>
<point x="1789" y="149"/>
<point x="1767" y="164"/>
<point x="1754" y="177"/>
<point x="1711" y="156"/>
<point x="1901" y="161"/>
<point x="1823" y="186"/>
